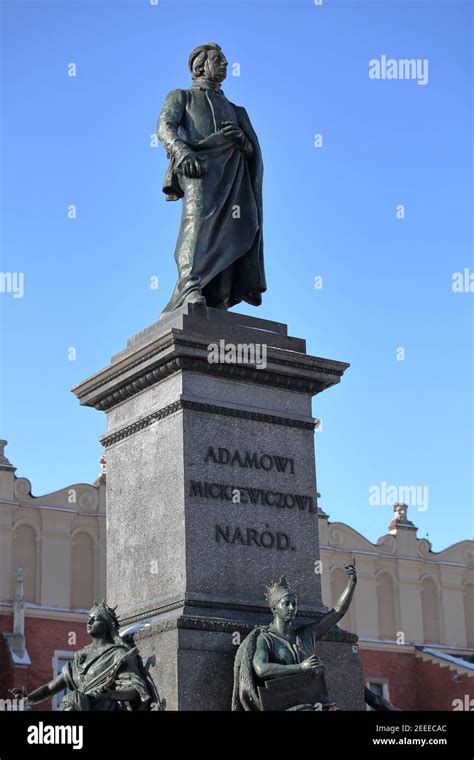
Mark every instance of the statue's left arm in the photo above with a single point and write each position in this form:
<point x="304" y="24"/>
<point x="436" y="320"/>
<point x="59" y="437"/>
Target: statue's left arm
<point x="332" y="617"/>
<point x="238" y="136"/>
<point x="242" y="133"/>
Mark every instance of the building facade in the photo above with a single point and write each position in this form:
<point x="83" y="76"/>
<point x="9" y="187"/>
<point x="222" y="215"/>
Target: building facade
<point x="52" y="567"/>
<point x="413" y="612"/>
<point x="413" y="609"/>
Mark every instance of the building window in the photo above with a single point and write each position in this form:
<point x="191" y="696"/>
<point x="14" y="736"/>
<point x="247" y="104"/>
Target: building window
<point x="430" y="612"/>
<point x="386" y="607"/>
<point x="60" y="658"/>
<point x="82" y="570"/>
<point x="380" y="687"/>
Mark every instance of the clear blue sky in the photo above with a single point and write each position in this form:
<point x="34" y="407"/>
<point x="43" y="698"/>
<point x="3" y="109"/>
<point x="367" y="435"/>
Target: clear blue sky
<point x="329" y="212"/>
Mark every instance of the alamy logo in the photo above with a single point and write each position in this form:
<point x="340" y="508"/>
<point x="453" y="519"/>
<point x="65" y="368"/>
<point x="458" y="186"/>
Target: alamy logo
<point x="11" y="705"/>
<point x="46" y="734"/>
<point x="463" y="282"/>
<point x="12" y="282"/>
<point x="463" y="704"/>
<point x="399" y="68"/>
<point x="237" y="353"/>
<point x="385" y="495"/>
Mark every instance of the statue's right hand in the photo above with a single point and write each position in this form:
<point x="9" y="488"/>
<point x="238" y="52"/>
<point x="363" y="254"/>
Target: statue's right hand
<point x="312" y="663"/>
<point x="191" y="167"/>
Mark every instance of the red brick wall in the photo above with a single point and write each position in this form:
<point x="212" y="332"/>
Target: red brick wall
<point x="414" y="684"/>
<point x="438" y="689"/>
<point x="399" y="669"/>
<point x="43" y="637"/>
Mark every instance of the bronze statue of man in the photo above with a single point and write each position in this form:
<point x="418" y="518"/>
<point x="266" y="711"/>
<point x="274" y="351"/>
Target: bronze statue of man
<point x="216" y="168"/>
<point x="106" y="675"/>
<point x="280" y="658"/>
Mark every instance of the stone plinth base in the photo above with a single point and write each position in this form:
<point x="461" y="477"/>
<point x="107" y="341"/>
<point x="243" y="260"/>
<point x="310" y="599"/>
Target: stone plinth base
<point x="211" y="490"/>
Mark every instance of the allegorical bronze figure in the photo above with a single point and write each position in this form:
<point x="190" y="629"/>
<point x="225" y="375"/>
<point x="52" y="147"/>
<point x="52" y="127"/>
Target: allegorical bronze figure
<point x="276" y="667"/>
<point x="106" y="675"/>
<point x="216" y="168"/>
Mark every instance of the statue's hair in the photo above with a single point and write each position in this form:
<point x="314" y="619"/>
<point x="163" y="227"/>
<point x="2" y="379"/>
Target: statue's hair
<point x="111" y="617"/>
<point x="198" y="58"/>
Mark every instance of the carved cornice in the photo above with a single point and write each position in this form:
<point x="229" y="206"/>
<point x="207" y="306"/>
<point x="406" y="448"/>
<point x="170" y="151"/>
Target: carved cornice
<point x="125" y="432"/>
<point x="196" y="406"/>
<point x="172" y="353"/>
<point x="174" y="341"/>
<point x="149" y="612"/>
<point x="221" y="625"/>
<point x="216" y="624"/>
<point x="195" y="364"/>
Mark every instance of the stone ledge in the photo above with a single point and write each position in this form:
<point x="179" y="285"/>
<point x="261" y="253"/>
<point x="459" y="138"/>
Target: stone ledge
<point x="195" y="315"/>
<point x="222" y="625"/>
<point x="176" y="351"/>
<point x="183" y="404"/>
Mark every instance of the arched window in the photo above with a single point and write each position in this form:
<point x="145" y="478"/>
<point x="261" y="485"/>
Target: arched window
<point x="386" y="606"/>
<point x="339" y="580"/>
<point x="82" y="571"/>
<point x="469" y="613"/>
<point x="24" y="554"/>
<point x="430" y="611"/>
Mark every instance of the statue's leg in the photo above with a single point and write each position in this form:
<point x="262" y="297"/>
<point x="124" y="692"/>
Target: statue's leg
<point x="217" y="292"/>
<point x="188" y="288"/>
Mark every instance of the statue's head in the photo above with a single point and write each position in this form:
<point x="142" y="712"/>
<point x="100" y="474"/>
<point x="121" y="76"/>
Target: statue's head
<point x="102" y="620"/>
<point x="208" y="62"/>
<point x="282" y="600"/>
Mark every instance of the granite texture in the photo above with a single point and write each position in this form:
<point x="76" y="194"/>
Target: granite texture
<point x="194" y="666"/>
<point x="211" y="494"/>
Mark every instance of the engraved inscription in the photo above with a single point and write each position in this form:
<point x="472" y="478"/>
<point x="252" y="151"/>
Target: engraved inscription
<point x="245" y="536"/>
<point x="263" y="539"/>
<point x="248" y="495"/>
<point x="267" y="462"/>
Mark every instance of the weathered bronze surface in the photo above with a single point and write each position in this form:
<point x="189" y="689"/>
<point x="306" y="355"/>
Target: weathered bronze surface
<point x="276" y="667"/>
<point x="106" y="675"/>
<point x="216" y="168"/>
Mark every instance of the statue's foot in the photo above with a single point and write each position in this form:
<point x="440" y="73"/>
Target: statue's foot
<point x="196" y="297"/>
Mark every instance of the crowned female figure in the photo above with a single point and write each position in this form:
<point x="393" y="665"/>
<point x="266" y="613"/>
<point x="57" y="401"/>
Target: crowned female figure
<point x="276" y="667"/>
<point x="108" y="674"/>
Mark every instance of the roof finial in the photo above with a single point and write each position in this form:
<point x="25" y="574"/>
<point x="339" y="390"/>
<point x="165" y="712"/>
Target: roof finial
<point x="5" y="463"/>
<point x="399" y="517"/>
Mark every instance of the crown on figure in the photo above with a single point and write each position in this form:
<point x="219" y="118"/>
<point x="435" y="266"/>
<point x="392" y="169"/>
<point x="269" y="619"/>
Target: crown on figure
<point x="277" y="590"/>
<point x="109" y="612"/>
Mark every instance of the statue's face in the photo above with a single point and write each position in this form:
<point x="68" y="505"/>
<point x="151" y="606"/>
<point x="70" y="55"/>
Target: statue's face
<point x="286" y="607"/>
<point x="215" y="66"/>
<point x="97" y="623"/>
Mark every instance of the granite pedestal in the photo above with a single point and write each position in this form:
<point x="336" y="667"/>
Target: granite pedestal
<point x="211" y="494"/>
